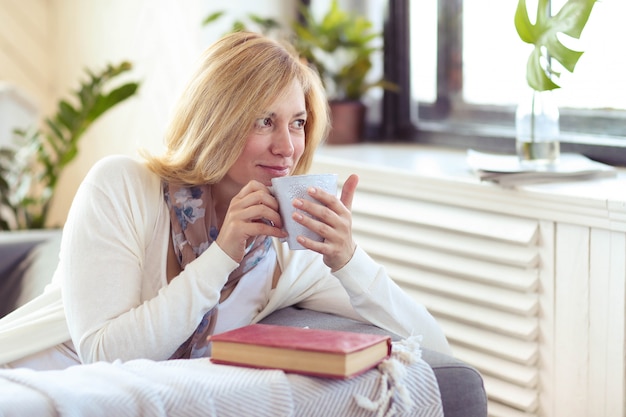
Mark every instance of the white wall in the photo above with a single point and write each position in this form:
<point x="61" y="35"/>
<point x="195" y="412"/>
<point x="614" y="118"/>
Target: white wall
<point x="26" y="77"/>
<point x="162" y="38"/>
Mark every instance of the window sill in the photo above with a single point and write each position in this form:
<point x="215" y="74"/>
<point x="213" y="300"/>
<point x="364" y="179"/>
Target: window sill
<point x="494" y="136"/>
<point x="441" y="175"/>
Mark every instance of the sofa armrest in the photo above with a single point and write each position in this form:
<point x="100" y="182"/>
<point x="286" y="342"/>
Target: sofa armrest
<point x="14" y="246"/>
<point x="27" y="262"/>
<point x="460" y="385"/>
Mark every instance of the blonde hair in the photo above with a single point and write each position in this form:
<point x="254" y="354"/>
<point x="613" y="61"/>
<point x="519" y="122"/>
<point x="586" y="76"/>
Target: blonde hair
<point x="238" y="76"/>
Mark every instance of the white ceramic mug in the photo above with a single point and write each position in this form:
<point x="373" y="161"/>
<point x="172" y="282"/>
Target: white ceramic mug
<point x="286" y="189"/>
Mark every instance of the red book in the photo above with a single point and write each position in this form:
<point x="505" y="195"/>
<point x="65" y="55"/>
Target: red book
<point x="328" y="353"/>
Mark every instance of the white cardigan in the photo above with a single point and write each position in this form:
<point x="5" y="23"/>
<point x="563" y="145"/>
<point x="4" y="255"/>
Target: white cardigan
<point x="110" y="294"/>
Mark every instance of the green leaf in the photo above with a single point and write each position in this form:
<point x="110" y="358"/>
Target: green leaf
<point x="212" y="18"/>
<point x="267" y="23"/>
<point x="68" y="156"/>
<point x="56" y="131"/>
<point x="105" y="102"/>
<point x="238" y="26"/>
<point x="49" y="150"/>
<point x="336" y="34"/>
<point x="67" y="114"/>
<point x="570" y="20"/>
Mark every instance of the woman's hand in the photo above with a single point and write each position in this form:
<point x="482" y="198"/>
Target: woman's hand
<point x="332" y="220"/>
<point x="252" y="212"/>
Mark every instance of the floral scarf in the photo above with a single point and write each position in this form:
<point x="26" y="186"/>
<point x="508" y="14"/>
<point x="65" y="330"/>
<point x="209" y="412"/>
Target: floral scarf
<point x="194" y="228"/>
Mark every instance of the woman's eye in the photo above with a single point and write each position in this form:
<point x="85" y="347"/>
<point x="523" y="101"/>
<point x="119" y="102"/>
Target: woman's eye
<point x="299" y="124"/>
<point x="263" y="122"/>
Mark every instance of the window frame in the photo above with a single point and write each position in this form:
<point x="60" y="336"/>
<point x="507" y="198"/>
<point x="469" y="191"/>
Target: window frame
<point x="451" y="122"/>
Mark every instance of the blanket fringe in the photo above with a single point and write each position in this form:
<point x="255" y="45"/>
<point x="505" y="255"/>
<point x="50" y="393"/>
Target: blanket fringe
<point x="391" y="383"/>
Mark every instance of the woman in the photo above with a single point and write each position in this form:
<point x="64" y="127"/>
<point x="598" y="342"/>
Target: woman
<point x="158" y="255"/>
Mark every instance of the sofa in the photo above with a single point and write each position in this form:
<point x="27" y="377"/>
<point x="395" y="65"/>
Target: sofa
<point x="28" y="258"/>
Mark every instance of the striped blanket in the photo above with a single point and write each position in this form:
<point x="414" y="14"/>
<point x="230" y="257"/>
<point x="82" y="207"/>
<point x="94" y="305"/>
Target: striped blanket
<point x="400" y="386"/>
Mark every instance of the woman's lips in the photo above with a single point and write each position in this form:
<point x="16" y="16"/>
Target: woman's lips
<point x="276" y="171"/>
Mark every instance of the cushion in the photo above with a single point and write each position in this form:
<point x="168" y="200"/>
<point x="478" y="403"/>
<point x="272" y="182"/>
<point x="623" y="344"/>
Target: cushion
<point x="33" y="264"/>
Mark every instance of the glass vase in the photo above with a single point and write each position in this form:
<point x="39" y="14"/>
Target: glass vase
<point x="537" y="130"/>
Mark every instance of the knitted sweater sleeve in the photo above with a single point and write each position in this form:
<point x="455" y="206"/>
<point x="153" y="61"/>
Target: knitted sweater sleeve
<point x="104" y="269"/>
<point x="363" y="290"/>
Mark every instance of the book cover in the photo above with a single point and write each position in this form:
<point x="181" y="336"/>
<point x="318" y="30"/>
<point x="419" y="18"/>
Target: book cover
<point x="317" y="352"/>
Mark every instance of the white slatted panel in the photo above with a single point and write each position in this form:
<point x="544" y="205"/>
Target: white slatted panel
<point x="477" y="272"/>
<point x="529" y="284"/>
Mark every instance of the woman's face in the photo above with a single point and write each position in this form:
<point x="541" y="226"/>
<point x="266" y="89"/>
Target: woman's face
<point x="275" y="142"/>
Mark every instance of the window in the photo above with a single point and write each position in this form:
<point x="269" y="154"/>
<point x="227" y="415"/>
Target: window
<point x="466" y="74"/>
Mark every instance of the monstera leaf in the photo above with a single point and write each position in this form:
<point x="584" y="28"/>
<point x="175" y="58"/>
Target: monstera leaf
<point x="570" y="20"/>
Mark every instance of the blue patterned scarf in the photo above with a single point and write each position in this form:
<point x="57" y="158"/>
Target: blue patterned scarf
<point x="194" y="228"/>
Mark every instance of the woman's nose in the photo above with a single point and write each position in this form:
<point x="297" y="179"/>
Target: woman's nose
<point x="282" y="143"/>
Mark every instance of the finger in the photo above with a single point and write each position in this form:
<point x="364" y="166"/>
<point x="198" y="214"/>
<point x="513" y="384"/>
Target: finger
<point x="237" y="232"/>
<point x="261" y="213"/>
<point x="264" y="228"/>
<point x="331" y="201"/>
<point x="260" y="196"/>
<point x="315" y="210"/>
<point x="335" y="255"/>
<point x="258" y="204"/>
<point x="311" y="244"/>
<point x="234" y="244"/>
<point x="318" y="224"/>
<point x="348" y="190"/>
<point x="252" y="208"/>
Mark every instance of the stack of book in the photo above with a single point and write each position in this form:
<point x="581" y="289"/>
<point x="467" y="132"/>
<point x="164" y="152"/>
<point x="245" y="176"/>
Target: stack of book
<point x="508" y="171"/>
<point x="325" y="353"/>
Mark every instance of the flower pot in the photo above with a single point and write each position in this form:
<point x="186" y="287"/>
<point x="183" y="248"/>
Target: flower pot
<point x="347" y="120"/>
<point x="537" y="130"/>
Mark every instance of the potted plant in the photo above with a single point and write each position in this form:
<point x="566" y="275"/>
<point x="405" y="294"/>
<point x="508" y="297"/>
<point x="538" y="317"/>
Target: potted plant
<point x="537" y="119"/>
<point x="29" y="171"/>
<point x="340" y="46"/>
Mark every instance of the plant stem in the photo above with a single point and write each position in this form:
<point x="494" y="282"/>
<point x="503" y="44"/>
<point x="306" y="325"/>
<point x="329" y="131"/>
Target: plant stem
<point x="532" y="118"/>
<point x="531" y="150"/>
